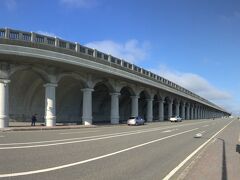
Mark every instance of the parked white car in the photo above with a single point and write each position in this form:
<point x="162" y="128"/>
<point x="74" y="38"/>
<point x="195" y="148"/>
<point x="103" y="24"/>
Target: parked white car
<point x="133" y="120"/>
<point x="176" y="119"/>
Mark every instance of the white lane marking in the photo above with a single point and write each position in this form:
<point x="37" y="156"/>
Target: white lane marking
<point x="1" y="136"/>
<point x="89" y="137"/>
<point x="170" y="130"/>
<point x="80" y="141"/>
<point x="205" y="125"/>
<point x="169" y="175"/>
<point x="92" y="159"/>
<point x="81" y="132"/>
<point x="69" y="139"/>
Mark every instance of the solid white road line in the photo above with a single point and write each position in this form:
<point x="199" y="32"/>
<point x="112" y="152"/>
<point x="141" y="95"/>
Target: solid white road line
<point x="192" y="154"/>
<point x="69" y="139"/>
<point x="91" y="159"/>
<point x="80" y="141"/>
<point x="88" y="137"/>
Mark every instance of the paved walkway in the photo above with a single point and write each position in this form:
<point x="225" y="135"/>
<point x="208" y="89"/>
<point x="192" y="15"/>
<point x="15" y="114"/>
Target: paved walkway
<point x="220" y="160"/>
<point x="26" y="126"/>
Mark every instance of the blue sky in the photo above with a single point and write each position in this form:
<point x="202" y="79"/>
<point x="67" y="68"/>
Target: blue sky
<point x="195" y="43"/>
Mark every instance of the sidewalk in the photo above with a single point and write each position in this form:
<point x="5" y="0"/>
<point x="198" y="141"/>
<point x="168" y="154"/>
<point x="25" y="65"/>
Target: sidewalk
<point x="26" y="126"/>
<point x="220" y="160"/>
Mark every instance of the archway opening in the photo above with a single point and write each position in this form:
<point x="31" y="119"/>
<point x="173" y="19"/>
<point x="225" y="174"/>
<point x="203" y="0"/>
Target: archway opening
<point x="155" y="108"/>
<point x="26" y="96"/>
<point x="166" y="110"/>
<point x="125" y="104"/>
<point x="142" y="105"/>
<point x="69" y="101"/>
<point x="101" y="104"/>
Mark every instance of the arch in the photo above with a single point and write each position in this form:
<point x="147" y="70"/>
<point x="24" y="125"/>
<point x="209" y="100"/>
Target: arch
<point x="69" y="100"/>
<point x="125" y="103"/>
<point x="75" y="76"/>
<point x="129" y="89"/>
<point x="26" y="95"/>
<point x="101" y="103"/>
<point x="41" y="73"/>
<point x="142" y="104"/>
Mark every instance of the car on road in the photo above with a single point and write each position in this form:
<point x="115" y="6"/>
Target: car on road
<point x="135" y="120"/>
<point x="175" y="119"/>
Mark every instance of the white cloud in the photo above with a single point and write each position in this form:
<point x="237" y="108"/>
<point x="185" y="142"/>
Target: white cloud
<point x="131" y="51"/>
<point x="79" y="3"/>
<point x="200" y="86"/>
<point x="11" y="4"/>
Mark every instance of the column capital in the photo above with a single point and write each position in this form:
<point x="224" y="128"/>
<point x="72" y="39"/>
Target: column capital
<point x="169" y="101"/>
<point x="115" y="94"/>
<point x="87" y="90"/>
<point x="161" y="101"/>
<point x="149" y="99"/>
<point x="5" y="81"/>
<point x="50" y="85"/>
<point x="136" y="96"/>
<point x="183" y="103"/>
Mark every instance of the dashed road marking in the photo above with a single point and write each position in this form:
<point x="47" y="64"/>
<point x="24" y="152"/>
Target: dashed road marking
<point x="170" y="130"/>
<point x="205" y="125"/>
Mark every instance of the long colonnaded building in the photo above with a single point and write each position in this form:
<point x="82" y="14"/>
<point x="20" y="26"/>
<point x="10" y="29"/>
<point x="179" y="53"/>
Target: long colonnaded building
<point x="66" y="82"/>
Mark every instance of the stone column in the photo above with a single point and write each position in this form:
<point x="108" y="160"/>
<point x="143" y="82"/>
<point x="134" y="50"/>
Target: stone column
<point x="50" y="104"/>
<point x="134" y="105"/>
<point x="177" y="109"/>
<point x="188" y="111"/>
<point x="195" y="113"/>
<point x="161" y="110"/>
<point x="115" y="108"/>
<point x="170" y="103"/>
<point x="192" y="117"/>
<point x="183" y="110"/>
<point x="149" y="110"/>
<point x="4" y="103"/>
<point x="199" y="113"/>
<point x="87" y="106"/>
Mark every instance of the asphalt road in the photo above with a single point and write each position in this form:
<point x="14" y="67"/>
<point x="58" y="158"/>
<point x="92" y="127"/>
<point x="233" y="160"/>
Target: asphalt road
<point x="121" y="152"/>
